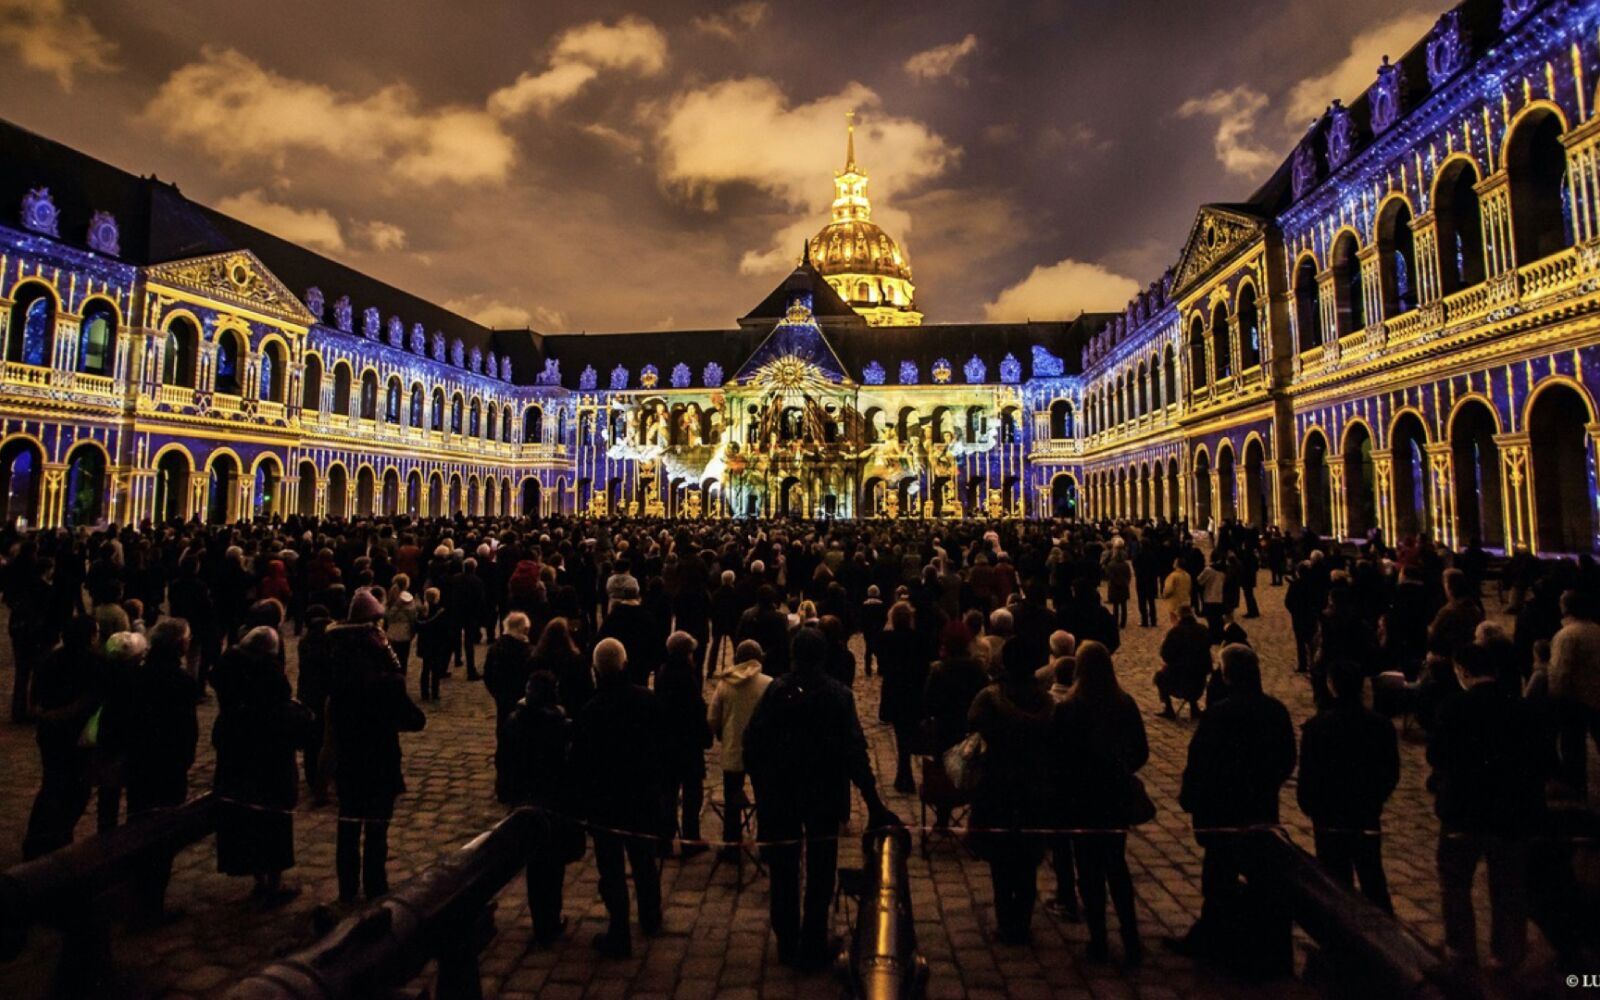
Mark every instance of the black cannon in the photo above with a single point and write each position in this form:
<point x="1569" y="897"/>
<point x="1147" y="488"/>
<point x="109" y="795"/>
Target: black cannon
<point x="446" y="912"/>
<point x="883" y="960"/>
<point x="66" y="888"/>
<point x="1366" y="943"/>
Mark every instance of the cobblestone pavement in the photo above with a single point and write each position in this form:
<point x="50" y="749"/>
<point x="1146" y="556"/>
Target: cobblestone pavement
<point x="716" y="940"/>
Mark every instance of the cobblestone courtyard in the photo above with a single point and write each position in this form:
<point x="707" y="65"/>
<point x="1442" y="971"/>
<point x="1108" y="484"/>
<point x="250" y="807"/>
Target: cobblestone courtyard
<point x="716" y="940"/>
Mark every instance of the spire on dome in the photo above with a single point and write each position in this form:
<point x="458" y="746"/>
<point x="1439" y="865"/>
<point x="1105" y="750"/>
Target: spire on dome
<point x="850" y="142"/>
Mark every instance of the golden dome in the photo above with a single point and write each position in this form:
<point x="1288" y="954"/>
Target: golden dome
<point x="856" y="246"/>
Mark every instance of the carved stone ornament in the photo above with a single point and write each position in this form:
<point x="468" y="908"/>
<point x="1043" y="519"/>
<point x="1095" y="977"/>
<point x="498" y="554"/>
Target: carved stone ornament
<point x="873" y="374"/>
<point x="458" y="354"/>
<point x="908" y="373"/>
<point x="104" y="236"/>
<point x="1045" y="364"/>
<point x="1386" y="96"/>
<point x="314" y="302"/>
<point x="491" y="365"/>
<point x="942" y="371"/>
<point x="39" y="212"/>
<point x="505" y="370"/>
<point x="975" y="370"/>
<point x="680" y="376"/>
<point x="587" y="380"/>
<point x="1447" y="48"/>
<point x="551" y="374"/>
<point x="619" y="377"/>
<point x="649" y="376"/>
<point x="343" y="314"/>
<point x="436" y="346"/>
<point x="711" y="377"/>
<point x="1010" y="369"/>
<point x="1303" y="169"/>
<point x="1341" y="135"/>
<point x="419" y="339"/>
<point x="371" y="321"/>
<point x="397" y="332"/>
<point x="475" y="361"/>
<point x="1514" y="11"/>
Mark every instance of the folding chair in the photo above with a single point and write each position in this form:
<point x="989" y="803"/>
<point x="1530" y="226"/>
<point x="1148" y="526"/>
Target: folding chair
<point x="747" y="830"/>
<point x="936" y="791"/>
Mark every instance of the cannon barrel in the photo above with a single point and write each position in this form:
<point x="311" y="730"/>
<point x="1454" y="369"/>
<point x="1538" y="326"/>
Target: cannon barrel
<point x="884" y="963"/>
<point x="1373" y="945"/>
<point x="441" y="913"/>
<point x="58" y="887"/>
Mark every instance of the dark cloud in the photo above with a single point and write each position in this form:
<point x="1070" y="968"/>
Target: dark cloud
<point x="1067" y="139"/>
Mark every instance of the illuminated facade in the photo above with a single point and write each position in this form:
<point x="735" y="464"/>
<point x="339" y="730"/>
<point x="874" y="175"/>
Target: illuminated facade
<point x="1397" y="332"/>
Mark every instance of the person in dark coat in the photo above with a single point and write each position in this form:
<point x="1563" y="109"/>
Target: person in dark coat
<point x="620" y="789"/>
<point x="368" y="709"/>
<point x="1349" y="766"/>
<point x="67" y="689"/>
<point x="768" y="626"/>
<point x="532" y="770"/>
<point x="1099" y="741"/>
<point x="558" y="655"/>
<point x="1241" y="754"/>
<point x="953" y="681"/>
<point x="438" y="637"/>
<point x="803" y="749"/>
<point x="1488" y="780"/>
<point x="507" y="664"/>
<point x="1016" y="791"/>
<point x="873" y="616"/>
<point x="258" y="729"/>
<point x="841" y="662"/>
<point x="1304" y="600"/>
<point x="311" y="689"/>
<point x="726" y="607"/>
<point x="903" y="663"/>
<point x="1185" y="661"/>
<point x="33" y="626"/>
<point x="629" y="622"/>
<point x="465" y="595"/>
<point x="1032" y="621"/>
<point x="189" y="598"/>
<point x="687" y="738"/>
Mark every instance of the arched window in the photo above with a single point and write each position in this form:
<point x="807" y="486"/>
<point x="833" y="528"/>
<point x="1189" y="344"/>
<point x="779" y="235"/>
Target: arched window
<point x="33" y="326"/>
<point x="1397" y="259"/>
<point x="1060" y="420"/>
<point x="474" y="423"/>
<point x="341" y="388"/>
<point x="1541" y="207"/>
<point x="391" y="401"/>
<point x="532" y="425"/>
<point x="311" y="391"/>
<point x="416" y="406"/>
<point x="491" y="423"/>
<point x="1119" y="411"/>
<point x="1221" y="342"/>
<point x="1199" y="372"/>
<point x="272" y="387"/>
<point x="369" y="395"/>
<point x="1142" y="399"/>
<point x="438" y="411"/>
<point x="177" y="363"/>
<point x="1169" y="373"/>
<point x="230" y="358"/>
<point x="457" y="410"/>
<point x="1307" y="304"/>
<point x="97" y="338"/>
<point x="1249" y="323"/>
<point x="1348" y="302"/>
<point x="1460" y="226"/>
<point x="1155" y="384"/>
<point x="505" y="424"/>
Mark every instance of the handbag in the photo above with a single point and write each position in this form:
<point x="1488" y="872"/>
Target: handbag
<point x="1137" y="808"/>
<point x="965" y="762"/>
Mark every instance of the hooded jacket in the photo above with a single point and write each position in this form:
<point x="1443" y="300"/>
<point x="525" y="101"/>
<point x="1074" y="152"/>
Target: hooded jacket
<point x="738" y="690"/>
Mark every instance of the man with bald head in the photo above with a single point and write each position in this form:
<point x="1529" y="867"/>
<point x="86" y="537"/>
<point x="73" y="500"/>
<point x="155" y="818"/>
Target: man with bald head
<point x="617" y="774"/>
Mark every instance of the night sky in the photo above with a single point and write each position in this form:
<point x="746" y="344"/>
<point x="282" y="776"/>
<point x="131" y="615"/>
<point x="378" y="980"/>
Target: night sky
<point x="612" y="166"/>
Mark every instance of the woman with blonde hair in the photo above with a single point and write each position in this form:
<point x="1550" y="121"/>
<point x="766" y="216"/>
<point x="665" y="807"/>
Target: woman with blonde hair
<point x="401" y="611"/>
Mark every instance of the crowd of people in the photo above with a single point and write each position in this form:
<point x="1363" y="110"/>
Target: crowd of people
<point x="618" y="655"/>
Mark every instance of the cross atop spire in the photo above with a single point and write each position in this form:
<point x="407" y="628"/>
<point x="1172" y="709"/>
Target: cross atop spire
<point x="850" y="142"/>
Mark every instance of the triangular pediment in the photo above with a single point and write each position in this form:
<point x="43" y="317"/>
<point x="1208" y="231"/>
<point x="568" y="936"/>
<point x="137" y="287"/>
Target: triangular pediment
<point x="795" y="353"/>
<point x="1218" y="231"/>
<point x="237" y="277"/>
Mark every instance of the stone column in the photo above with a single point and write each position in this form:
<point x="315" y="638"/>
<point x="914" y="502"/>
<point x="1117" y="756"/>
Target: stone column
<point x="1383" y="486"/>
<point x="1425" y="239"/>
<point x="52" y="495"/>
<point x="1583" y="176"/>
<point x="1520" y="525"/>
<point x="1494" y="203"/>
<point x="1339" y="515"/>
<point x="1441" y="481"/>
<point x="1371" y="286"/>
